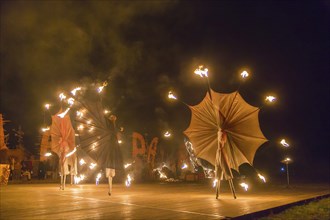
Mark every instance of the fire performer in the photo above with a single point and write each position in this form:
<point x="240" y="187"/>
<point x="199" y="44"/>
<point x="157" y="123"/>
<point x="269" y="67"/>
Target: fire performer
<point x="114" y="157"/>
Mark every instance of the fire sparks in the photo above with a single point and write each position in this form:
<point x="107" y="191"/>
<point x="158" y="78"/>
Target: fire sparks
<point x="127" y="165"/>
<point x="171" y="95"/>
<point x="92" y="166"/>
<point x="82" y="161"/>
<point x="63" y="113"/>
<point x="201" y="71"/>
<point x="75" y="90"/>
<point x="270" y="98"/>
<point x="245" y="186"/>
<point x="120" y="141"/>
<point x="106" y="111"/>
<point x="167" y="134"/>
<point x="284" y="143"/>
<point x="262" y="177"/>
<point x="244" y="74"/>
<point x="128" y="180"/>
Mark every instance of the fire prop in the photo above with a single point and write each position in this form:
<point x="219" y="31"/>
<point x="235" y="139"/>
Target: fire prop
<point x="224" y="130"/>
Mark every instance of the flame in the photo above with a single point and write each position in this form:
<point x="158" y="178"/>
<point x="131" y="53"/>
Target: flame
<point x="245" y="186"/>
<point x="62" y="96"/>
<point x="128" y="180"/>
<point x="82" y="161"/>
<point x="127" y="165"/>
<point x="171" y="95"/>
<point x="284" y="143"/>
<point x="71" y="101"/>
<point x="92" y="165"/>
<point x="270" y="98"/>
<point x="48" y="154"/>
<point x="47" y="106"/>
<point x="45" y="129"/>
<point x="72" y="152"/>
<point x="215" y="181"/>
<point x="99" y="175"/>
<point x="184" y="166"/>
<point x="244" y="74"/>
<point x="167" y="134"/>
<point x="262" y="177"/>
<point x="201" y="72"/>
<point x="63" y="113"/>
<point x="100" y="88"/>
<point x="75" y="90"/>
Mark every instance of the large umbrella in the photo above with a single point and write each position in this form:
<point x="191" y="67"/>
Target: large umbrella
<point x="224" y="130"/>
<point x="63" y="135"/>
<point x="98" y="135"/>
<point x="63" y="143"/>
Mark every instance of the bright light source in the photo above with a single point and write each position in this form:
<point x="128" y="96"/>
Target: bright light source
<point x="171" y="95"/>
<point x="270" y="98"/>
<point x="47" y="106"/>
<point x="167" y="134"/>
<point x="48" y="154"/>
<point x="262" y="177"/>
<point x="284" y="143"/>
<point x="244" y="74"/>
<point x="245" y="186"/>
<point x="201" y="71"/>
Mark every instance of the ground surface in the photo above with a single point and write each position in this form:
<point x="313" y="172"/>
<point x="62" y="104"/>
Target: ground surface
<point x="144" y="201"/>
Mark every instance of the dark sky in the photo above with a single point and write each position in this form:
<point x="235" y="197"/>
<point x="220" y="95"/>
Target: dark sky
<point x="145" y="48"/>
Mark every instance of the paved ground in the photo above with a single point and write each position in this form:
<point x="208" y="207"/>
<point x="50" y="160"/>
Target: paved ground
<point x="144" y="201"/>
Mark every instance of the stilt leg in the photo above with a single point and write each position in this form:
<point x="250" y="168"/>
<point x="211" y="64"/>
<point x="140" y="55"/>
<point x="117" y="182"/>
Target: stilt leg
<point x="218" y="185"/>
<point x="231" y="184"/>
<point x="110" y="185"/>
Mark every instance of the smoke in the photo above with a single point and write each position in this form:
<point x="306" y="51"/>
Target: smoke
<point x="48" y="46"/>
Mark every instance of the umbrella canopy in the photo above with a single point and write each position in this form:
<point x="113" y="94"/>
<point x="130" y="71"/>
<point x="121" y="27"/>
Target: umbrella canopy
<point x="225" y="114"/>
<point x="98" y="135"/>
<point x="62" y="135"/>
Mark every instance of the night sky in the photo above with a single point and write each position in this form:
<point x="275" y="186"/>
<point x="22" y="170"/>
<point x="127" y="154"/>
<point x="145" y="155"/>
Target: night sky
<point x="145" y="48"/>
